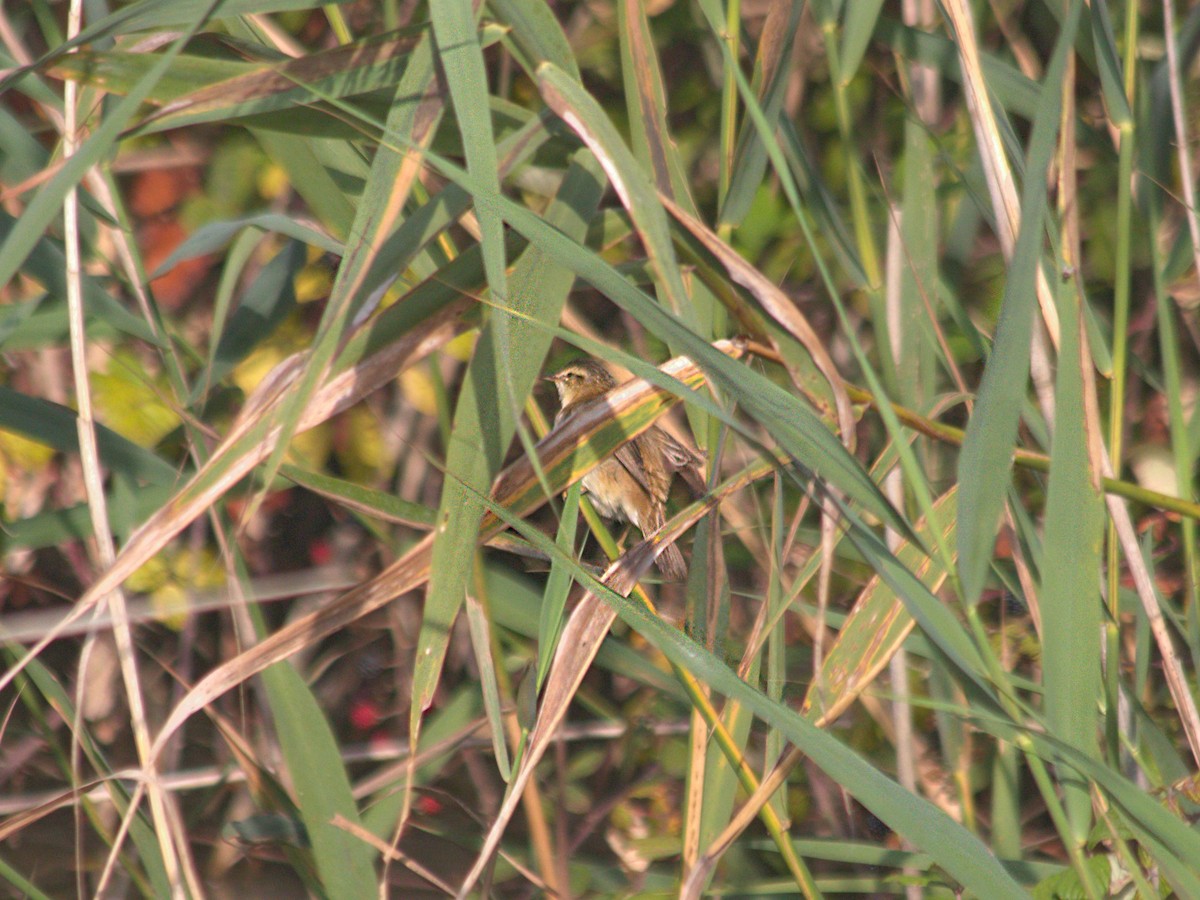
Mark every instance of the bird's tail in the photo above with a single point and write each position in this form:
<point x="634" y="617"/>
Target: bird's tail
<point x="670" y="562"/>
<point x="666" y="556"/>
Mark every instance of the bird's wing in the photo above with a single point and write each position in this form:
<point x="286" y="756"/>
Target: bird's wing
<point x="630" y="455"/>
<point x="686" y="462"/>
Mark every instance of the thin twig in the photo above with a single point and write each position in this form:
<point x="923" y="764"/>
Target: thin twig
<point x="94" y="487"/>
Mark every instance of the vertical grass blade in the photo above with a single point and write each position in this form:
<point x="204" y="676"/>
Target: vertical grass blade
<point x="986" y="460"/>
<point x="1070" y="599"/>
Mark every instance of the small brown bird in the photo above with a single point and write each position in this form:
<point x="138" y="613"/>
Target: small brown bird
<point x="633" y="484"/>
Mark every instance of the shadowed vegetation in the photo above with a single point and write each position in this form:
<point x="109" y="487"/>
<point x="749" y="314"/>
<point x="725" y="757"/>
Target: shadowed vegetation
<point x="302" y="594"/>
